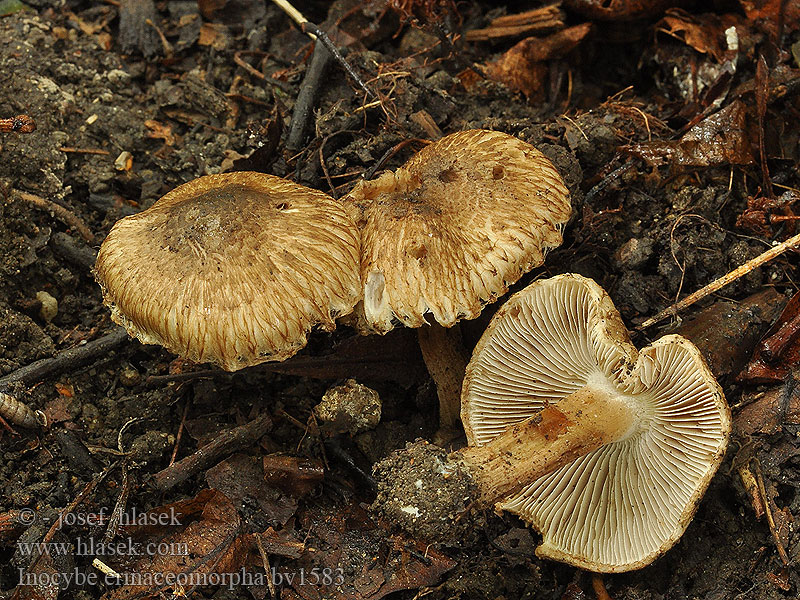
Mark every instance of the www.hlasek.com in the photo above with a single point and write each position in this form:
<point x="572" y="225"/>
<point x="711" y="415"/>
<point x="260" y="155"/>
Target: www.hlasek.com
<point x="92" y="547"/>
<point x="314" y="577"/>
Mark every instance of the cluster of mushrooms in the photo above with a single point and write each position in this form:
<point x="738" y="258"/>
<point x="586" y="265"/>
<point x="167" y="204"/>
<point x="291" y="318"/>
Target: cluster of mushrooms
<point x="605" y="450"/>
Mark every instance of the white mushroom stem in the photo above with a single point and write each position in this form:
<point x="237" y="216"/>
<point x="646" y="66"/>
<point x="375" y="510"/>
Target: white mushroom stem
<point x="446" y="360"/>
<point x="582" y="422"/>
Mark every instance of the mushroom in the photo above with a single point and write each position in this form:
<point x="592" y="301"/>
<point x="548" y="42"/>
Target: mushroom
<point x="605" y="450"/>
<point x="233" y="269"/>
<point x="447" y="233"/>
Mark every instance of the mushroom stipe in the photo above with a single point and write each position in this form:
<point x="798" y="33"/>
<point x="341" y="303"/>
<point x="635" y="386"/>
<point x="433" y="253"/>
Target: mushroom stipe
<point x="605" y="450"/>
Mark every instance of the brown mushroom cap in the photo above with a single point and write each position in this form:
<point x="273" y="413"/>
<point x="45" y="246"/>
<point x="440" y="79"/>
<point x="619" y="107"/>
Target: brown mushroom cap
<point x="233" y="269"/>
<point x="451" y="229"/>
<point x="622" y="505"/>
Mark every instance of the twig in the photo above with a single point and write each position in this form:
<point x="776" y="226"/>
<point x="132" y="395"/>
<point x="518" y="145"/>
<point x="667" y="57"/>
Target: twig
<point x="164" y="42"/>
<point x="304" y="106"/>
<point x="237" y="58"/>
<point x="119" y="506"/>
<point x="319" y="36"/>
<point x="331" y="47"/>
<point x="61" y="213"/>
<point x="73" y="150"/>
<point x="770" y="519"/>
<point x="224" y="445"/>
<point x="539" y="20"/>
<point x="322" y="157"/>
<point x="179" y="435"/>
<point x="720" y="283"/>
<point x="73" y="251"/>
<point x="294" y="14"/>
<point x="154" y="381"/>
<point x="77" y="501"/>
<point x="761" y="90"/>
<point x="68" y="360"/>
<point x="267" y="568"/>
<point x="608" y="179"/>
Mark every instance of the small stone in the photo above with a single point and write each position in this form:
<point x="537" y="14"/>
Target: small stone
<point x="124" y="161"/>
<point x="634" y="253"/>
<point x="351" y="407"/>
<point x="129" y="377"/>
<point x="150" y="446"/>
<point x="49" y="308"/>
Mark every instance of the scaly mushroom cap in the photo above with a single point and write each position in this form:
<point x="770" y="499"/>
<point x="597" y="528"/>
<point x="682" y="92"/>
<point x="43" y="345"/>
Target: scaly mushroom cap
<point x="623" y="505"/>
<point x="233" y="269"/>
<point x="451" y="229"/>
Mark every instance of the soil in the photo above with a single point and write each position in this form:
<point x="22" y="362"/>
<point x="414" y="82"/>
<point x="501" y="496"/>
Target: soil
<point x="123" y="117"/>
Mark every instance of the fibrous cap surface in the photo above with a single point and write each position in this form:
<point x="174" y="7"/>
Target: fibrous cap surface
<point x="450" y="230"/>
<point x="233" y="269"/>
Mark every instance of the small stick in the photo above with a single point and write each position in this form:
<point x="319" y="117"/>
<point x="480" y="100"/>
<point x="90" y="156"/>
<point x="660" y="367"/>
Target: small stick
<point x="105" y="569"/>
<point x="318" y="35"/>
<point x="720" y="283"/>
<point x="294" y="14"/>
<point x="119" y="507"/>
<point x="68" y="360"/>
<point x="18" y="124"/>
<point x="306" y="98"/>
<point x="267" y="567"/>
<point x="224" y="445"/>
<point x="323" y="37"/>
<point x="770" y="520"/>
<point x="61" y="213"/>
<point x="73" y="150"/>
<point x="237" y="58"/>
<point x="179" y="435"/>
<point x="370" y="173"/>
<point x="73" y="251"/>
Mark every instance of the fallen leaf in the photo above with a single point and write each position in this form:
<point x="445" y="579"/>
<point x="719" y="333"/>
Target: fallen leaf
<point x="779" y="349"/>
<point x="359" y="561"/>
<point x="293" y="475"/>
<point x="180" y="546"/>
<point x="705" y="33"/>
<point x="65" y="389"/>
<point x="620" y="10"/>
<point x="764" y="14"/>
<point x="768" y="411"/>
<point x="214" y="35"/>
<point x="720" y="139"/>
<point x="241" y="477"/>
<point x="523" y="68"/>
<point x="160" y="131"/>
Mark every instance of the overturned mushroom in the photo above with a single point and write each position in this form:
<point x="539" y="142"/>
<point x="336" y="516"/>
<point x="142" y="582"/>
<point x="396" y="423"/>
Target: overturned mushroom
<point x="603" y="449"/>
<point x="233" y="269"/>
<point x="448" y="232"/>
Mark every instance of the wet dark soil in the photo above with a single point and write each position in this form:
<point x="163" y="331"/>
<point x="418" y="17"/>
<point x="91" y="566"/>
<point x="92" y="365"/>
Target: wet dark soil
<point x="122" y="118"/>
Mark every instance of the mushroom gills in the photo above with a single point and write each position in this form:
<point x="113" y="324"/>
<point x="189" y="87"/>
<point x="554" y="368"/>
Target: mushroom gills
<point x="585" y="420"/>
<point x="603" y="449"/>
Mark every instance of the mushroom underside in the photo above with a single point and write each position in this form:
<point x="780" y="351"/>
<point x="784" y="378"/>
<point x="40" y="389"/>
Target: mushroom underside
<point x="623" y="504"/>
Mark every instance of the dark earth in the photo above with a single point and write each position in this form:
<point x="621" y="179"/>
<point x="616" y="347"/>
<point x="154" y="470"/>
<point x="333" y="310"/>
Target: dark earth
<point x="126" y="110"/>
